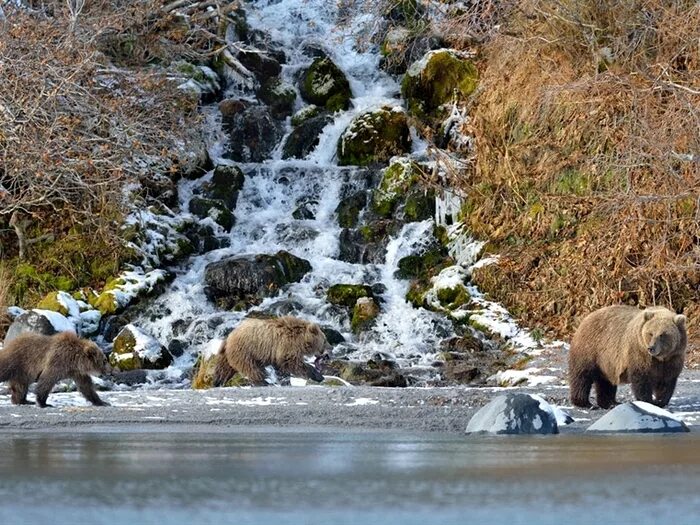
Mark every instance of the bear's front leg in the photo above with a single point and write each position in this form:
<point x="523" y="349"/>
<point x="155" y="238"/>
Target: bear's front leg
<point x="87" y="388"/>
<point x="664" y="391"/>
<point x="642" y="388"/>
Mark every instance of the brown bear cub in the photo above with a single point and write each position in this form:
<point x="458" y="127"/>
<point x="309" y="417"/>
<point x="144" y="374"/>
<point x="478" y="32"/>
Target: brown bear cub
<point x="623" y="344"/>
<point x="281" y="342"/>
<point x="48" y="359"/>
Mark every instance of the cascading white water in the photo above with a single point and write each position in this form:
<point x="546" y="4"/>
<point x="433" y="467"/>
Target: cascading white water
<point x="272" y="189"/>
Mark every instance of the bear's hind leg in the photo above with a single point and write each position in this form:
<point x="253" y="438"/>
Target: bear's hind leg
<point x="19" y="391"/>
<point x="222" y="371"/>
<point x="580" y="384"/>
<point x="605" y="392"/>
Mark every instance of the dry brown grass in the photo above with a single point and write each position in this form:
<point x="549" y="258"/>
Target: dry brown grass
<point x="588" y="169"/>
<point x="5" y="300"/>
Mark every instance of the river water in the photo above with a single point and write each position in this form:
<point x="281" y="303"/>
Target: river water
<point x="272" y="476"/>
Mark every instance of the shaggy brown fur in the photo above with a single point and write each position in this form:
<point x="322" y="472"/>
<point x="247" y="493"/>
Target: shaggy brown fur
<point x="48" y="359"/>
<point x="282" y="343"/>
<point x="622" y="344"/>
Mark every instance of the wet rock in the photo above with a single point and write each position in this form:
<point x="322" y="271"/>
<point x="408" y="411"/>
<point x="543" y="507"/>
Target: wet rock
<point x="347" y="294"/>
<point x="284" y="307"/>
<point x="431" y="84"/>
<point x="203" y="238"/>
<point x="226" y="183"/>
<point x="397" y="179"/>
<point x="253" y="134"/>
<point x="238" y="282"/>
<point x="200" y="80"/>
<point x="638" y="417"/>
<point x="279" y="97"/>
<point x="231" y="107"/>
<point x="515" y="414"/>
<point x="131" y="377"/>
<point x="305" y="137"/>
<point x="364" y="314"/>
<point x="159" y="188"/>
<point x="334" y="337"/>
<point x="214" y="209"/>
<point x="367" y="244"/>
<point x="177" y="347"/>
<point x="349" y="209"/>
<point x="413" y="266"/>
<point x="380" y="374"/>
<point x="133" y="349"/>
<point x="305" y="114"/>
<point x="203" y="374"/>
<point x="375" y="137"/>
<point x="260" y="64"/>
<point x="325" y="85"/>
<point x="306" y="209"/>
<point x="419" y="205"/>
<point x="32" y="322"/>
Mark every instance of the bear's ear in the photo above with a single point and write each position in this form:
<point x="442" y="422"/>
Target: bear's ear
<point x="680" y="320"/>
<point x="648" y="314"/>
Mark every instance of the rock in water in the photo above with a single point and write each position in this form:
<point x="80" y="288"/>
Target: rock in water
<point x="638" y="416"/>
<point x="515" y="414"/>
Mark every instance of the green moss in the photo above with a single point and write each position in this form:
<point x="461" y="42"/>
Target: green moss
<point x="294" y="267"/>
<point x="440" y="233"/>
<point x="125" y="361"/>
<point x="572" y="182"/>
<point x="452" y="298"/>
<point x="364" y="314"/>
<point x="305" y="114"/>
<point x="397" y="178"/>
<point x="420" y="206"/>
<point x="374" y="137"/>
<point x="213" y="208"/>
<point x="51" y="302"/>
<point x="429" y="263"/>
<point x="433" y="82"/>
<point x="416" y="293"/>
<point x="106" y="303"/>
<point x="279" y="97"/>
<point x="332" y="382"/>
<point x="349" y="210"/>
<point x="325" y="85"/>
<point x="347" y="294"/>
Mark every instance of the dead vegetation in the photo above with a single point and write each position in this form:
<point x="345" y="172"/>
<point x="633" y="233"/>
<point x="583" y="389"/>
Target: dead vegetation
<point x="588" y="171"/>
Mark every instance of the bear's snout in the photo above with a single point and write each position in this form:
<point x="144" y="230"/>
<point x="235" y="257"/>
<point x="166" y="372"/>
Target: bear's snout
<point x="654" y="350"/>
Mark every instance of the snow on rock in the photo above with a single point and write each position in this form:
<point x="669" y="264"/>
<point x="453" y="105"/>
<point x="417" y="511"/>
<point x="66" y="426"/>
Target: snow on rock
<point x="638" y="416"/>
<point x="529" y="376"/>
<point x="43" y="322"/>
<point x="563" y="418"/>
<point x="515" y="414"/>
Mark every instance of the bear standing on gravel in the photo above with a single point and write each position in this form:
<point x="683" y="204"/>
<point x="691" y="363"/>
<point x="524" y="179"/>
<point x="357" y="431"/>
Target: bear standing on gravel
<point x="282" y="343"/>
<point x="47" y="359"/>
<point x="623" y="344"/>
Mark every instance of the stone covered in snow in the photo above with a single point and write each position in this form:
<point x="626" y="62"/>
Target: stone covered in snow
<point x="517" y="414"/>
<point x="638" y="416"/>
<point x="133" y="349"/>
<point x="43" y="322"/>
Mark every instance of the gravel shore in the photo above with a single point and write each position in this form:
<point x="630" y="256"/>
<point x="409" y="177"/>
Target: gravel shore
<point x="417" y="409"/>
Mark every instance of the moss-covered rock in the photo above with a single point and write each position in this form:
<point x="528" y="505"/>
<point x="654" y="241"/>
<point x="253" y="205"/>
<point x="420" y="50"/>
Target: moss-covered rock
<point x="417" y="292"/>
<point x="324" y="84"/>
<point x="375" y="137"/>
<point x="435" y="80"/>
<point x="52" y="303"/>
<point x="364" y="314"/>
<point x="214" y="209"/>
<point x="348" y="294"/>
<point x="414" y="266"/>
<point x="453" y="297"/>
<point x="349" y="209"/>
<point x="305" y="114"/>
<point x="419" y="206"/>
<point x="401" y="175"/>
<point x="280" y="97"/>
<point x="133" y="349"/>
<point x="225" y="185"/>
<point x="203" y="374"/>
<point x="106" y="303"/>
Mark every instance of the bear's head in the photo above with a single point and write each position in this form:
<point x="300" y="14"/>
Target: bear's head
<point x="93" y="360"/>
<point x="316" y="342"/>
<point x="663" y="333"/>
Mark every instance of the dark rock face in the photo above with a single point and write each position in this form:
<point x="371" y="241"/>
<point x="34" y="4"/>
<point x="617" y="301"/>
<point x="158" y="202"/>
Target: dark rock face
<point x="253" y="134"/>
<point x="366" y="245"/>
<point x="213" y="208"/>
<point x="334" y="337"/>
<point x="638" y="417"/>
<point x="325" y="85"/>
<point x="349" y="209"/>
<point x="226" y="182"/>
<point x="239" y="282"/>
<point x="260" y="64"/>
<point x="131" y="377"/>
<point x="305" y="137"/>
<point x="29" y="322"/>
<point x="279" y="97"/>
<point x="514" y="414"/>
<point x="376" y="372"/>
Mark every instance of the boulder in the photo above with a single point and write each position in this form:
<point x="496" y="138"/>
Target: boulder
<point x="253" y="134"/>
<point x="333" y="336"/>
<point x="44" y="322"/>
<point x="347" y="294"/>
<point x="260" y="64"/>
<point x="133" y="349"/>
<point x="226" y="183"/>
<point x="397" y="179"/>
<point x="306" y="209"/>
<point x="325" y="85"/>
<point x="214" y="209"/>
<point x="305" y="114"/>
<point x="367" y="244"/>
<point x="305" y="137"/>
<point x="364" y="314"/>
<point x="515" y="414"/>
<point x="431" y="84"/>
<point x="239" y="282"/>
<point x="375" y="137"/>
<point x="279" y="97"/>
<point x="638" y="417"/>
<point x="349" y="209"/>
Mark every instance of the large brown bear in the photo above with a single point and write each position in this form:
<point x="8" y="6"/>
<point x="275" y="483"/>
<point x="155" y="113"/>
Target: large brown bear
<point x="281" y="342"/>
<point x="623" y="344"/>
<point x="47" y="359"/>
